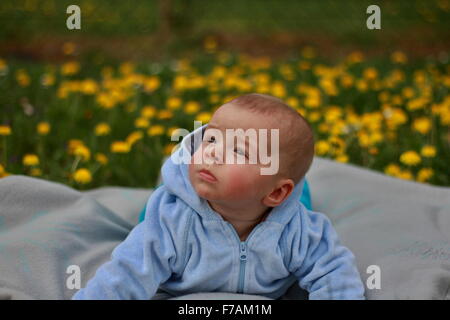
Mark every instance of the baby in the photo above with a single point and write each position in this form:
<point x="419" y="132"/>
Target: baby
<point x="220" y="223"/>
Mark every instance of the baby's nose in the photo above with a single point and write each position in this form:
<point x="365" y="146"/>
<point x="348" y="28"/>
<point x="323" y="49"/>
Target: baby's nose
<point x="213" y="154"/>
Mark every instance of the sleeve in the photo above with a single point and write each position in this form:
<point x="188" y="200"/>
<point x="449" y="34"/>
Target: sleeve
<point x="322" y="266"/>
<point x="138" y="265"/>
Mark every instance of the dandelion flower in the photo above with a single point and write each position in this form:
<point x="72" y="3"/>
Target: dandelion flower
<point x="134" y="137"/>
<point x="22" y="78"/>
<point x="410" y="158"/>
<point x="5" y="130"/>
<point x="173" y="103"/>
<point x="82" y="176"/>
<point x="155" y="130"/>
<point x="203" y="117"/>
<point x="428" y="151"/>
<point x="83" y="152"/>
<point x="322" y="147"/>
<point x="43" y="128"/>
<point x="30" y="160"/>
<point x="120" y="147"/>
<point x="422" y="125"/>
<point x="392" y="170"/>
<point x="141" y="122"/>
<point x="165" y="114"/>
<point x="36" y="172"/>
<point x="192" y="107"/>
<point x="102" y="129"/>
<point x="424" y="174"/>
<point x="148" y="112"/>
<point x="70" y="68"/>
<point x="101" y="158"/>
<point x="405" y="174"/>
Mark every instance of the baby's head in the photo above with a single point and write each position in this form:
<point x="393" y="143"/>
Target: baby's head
<point x="217" y="179"/>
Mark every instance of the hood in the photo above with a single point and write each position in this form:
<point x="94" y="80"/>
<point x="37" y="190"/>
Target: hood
<point x="175" y="176"/>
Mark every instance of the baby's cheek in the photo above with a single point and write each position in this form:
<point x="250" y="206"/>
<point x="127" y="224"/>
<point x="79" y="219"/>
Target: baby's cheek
<point x="239" y="183"/>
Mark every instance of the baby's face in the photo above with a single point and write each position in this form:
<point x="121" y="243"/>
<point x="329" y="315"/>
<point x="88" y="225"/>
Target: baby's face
<point x="212" y="174"/>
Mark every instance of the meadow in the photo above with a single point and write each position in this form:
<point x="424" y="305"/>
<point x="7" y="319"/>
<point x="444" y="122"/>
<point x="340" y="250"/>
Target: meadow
<point x="97" y="106"/>
<point x="90" y="125"/>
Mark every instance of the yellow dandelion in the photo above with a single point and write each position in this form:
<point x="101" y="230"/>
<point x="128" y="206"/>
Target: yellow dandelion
<point x="370" y="73"/>
<point x="165" y="114"/>
<point x="73" y="144"/>
<point x="43" y="128"/>
<point x="422" y="125"/>
<point x="155" y="130"/>
<point x="36" y="172"/>
<point x="105" y="100"/>
<point x="82" y="176"/>
<point x="399" y="57"/>
<point x="428" y="151"/>
<point x="141" y="123"/>
<point x="126" y="68"/>
<point x="405" y="174"/>
<point x="70" y="68"/>
<point x="192" y="107"/>
<point x="3" y="66"/>
<point x="151" y="83"/>
<point x="347" y="80"/>
<point x="203" y="117"/>
<point x="22" y="78"/>
<point x="134" y="137"/>
<point x="410" y="158"/>
<point x="30" y="160"/>
<point x="102" y="129"/>
<point x="424" y="174"/>
<point x="363" y="139"/>
<point x="5" y="130"/>
<point x="314" y="116"/>
<point x="101" y="158"/>
<point x="392" y="170"/>
<point x="47" y="79"/>
<point x="355" y="57"/>
<point x="120" y="147"/>
<point x="89" y="87"/>
<point x="342" y="158"/>
<point x="83" y="152"/>
<point x="362" y="85"/>
<point x="173" y="103"/>
<point x="148" y="112"/>
<point x="293" y="102"/>
<point x="322" y="147"/>
<point x="408" y="92"/>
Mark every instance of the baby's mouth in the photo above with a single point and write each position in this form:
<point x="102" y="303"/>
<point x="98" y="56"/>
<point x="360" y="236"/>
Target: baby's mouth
<point x="207" y="175"/>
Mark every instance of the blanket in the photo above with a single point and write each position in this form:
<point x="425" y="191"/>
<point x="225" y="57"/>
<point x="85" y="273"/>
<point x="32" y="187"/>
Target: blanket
<point x="53" y="238"/>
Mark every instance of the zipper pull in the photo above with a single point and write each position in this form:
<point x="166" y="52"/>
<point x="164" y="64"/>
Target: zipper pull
<point x="243" y="254"/>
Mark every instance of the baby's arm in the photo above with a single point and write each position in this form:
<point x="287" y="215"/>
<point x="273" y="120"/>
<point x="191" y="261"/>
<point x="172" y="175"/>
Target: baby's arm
<point x="325" y="268"/>
<point x="137" y="267"/>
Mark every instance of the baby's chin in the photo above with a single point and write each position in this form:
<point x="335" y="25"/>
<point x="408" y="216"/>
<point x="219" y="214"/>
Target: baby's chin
<point x="206" y="192"/>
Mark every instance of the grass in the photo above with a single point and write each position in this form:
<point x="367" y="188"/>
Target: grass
<point x="385" y="114"/>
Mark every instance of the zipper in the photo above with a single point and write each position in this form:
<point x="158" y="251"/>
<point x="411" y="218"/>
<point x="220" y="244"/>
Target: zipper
<point x="242" y="256"/>
<point x="243" y="259"/>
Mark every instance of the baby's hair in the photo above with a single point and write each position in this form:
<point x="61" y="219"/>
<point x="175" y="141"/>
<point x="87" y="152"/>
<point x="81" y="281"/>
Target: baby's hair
<point x="298" y="149"/>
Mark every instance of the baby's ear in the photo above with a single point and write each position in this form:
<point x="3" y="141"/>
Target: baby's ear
<point x="283" y="189"/>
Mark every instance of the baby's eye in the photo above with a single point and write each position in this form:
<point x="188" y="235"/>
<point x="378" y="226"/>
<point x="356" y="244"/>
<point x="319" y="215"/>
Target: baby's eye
<point x="211" y="139"/>
<point x="240" y="152"/>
